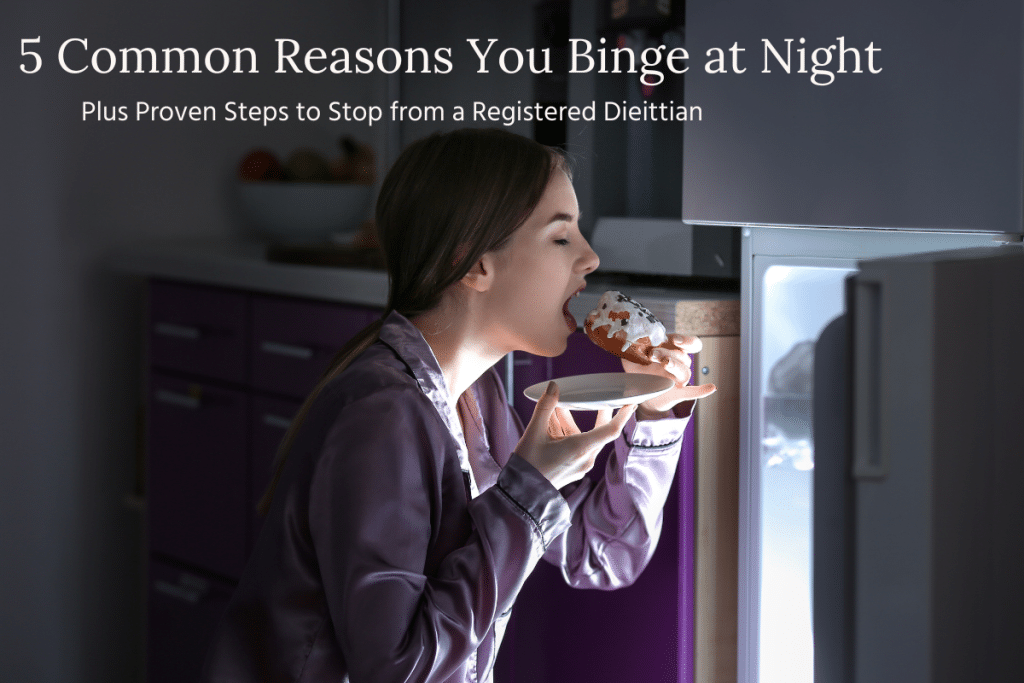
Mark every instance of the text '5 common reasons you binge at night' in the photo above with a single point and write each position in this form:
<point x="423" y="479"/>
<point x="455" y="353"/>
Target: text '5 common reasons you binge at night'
<point x="478" y="112"/>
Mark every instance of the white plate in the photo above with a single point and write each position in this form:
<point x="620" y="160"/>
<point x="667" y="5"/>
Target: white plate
<point x="603" y="390"/>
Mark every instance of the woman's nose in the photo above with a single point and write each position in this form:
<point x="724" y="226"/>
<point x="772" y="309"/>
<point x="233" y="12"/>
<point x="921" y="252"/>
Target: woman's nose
<point x="589" y="261"/>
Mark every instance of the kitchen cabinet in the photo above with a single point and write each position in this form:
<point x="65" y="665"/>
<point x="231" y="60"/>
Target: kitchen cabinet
<point x="630" y="168"/>
<point x="228" y="369"/>
<point x="293" y="340"/>
<point x="558" y="633"/>
<point x="183" y="609"/>
<point x="921" y="132"/>
<point x="197" y="465"/>
<point x="626" y="168"/>
<point x="198" y="330"/>
<point x="269" y="419"/>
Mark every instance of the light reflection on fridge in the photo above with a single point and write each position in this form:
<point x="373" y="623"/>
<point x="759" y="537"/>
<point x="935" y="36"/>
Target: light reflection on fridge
<point x="798" y="298"/>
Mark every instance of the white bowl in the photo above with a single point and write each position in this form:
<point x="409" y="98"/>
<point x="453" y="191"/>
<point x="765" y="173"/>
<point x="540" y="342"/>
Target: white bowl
<point x="304" y="212"/>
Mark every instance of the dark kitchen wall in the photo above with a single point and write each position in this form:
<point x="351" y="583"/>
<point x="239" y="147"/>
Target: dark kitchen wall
<point x="435" y="23"/>
<point x="72" y="192"/>
<point x="620" y="168"/>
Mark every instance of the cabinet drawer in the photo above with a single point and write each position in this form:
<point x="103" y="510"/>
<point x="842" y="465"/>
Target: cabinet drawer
<point x="196" y="329"/>
<point x="293" y="340"/>
<point x="184" y="609"/>
<point x="198" y="478"/>
<point x="268" y="423"/>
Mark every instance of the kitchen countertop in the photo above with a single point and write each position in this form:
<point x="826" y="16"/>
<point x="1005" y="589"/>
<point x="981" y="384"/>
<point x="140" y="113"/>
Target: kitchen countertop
<point x="242" y="265"/>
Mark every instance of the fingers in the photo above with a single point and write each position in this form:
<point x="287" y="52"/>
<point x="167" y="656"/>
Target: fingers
<point x="697" y="391"/>
<point x="673" y="397"/>
<point x="671" y="357"/>
<point x="566" y="420"/>
<point x="561" y="423"/>
<point x="676" y="363"/>
<point x="604" y="416"/>
<point x="550" y="398"/>
<point x="543" y="411"/>
<point x="686" y="343"/>
<point x="554" y="427"/>
<point x="603" y="433"/>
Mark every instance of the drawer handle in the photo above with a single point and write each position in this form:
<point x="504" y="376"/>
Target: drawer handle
<point x="173" y="398"/>
<point x="278" y="421"/>
<point x="289" y="350"/>
<point x="189" y="594"/>
<point x="177" y="331"/>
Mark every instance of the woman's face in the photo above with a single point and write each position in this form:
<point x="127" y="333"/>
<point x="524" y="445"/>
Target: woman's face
<point x="538" y="271"/>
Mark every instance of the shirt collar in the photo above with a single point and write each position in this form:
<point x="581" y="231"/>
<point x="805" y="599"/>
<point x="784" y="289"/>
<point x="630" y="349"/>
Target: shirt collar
<point x="406" y="340"/>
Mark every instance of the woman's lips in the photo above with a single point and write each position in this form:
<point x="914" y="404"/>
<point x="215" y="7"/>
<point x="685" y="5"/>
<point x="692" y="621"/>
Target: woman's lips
<point x="569" y="319"/>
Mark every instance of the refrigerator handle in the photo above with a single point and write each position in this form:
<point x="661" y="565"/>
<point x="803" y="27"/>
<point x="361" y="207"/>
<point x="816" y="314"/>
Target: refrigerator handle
<point x="870" y="458"/>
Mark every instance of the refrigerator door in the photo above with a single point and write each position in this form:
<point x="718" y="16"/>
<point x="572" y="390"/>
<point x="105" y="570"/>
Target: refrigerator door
<point x="793" y="286"/>
<point x="938" y="398"/>
<point x="833" y="600"/>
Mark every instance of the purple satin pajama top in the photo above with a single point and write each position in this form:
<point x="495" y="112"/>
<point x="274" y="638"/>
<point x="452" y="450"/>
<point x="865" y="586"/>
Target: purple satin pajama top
<point x="395" y="549"/>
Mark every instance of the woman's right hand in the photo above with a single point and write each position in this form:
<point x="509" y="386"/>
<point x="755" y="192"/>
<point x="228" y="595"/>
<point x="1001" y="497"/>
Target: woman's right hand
<point x="554" y="445"/>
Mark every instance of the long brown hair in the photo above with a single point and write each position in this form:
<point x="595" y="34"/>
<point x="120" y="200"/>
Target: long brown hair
<point x="449" y="199"/>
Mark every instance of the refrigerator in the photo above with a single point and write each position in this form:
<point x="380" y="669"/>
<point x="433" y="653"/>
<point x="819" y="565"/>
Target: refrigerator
<point x="881" y="388"/>
<point x="852" y="365"/>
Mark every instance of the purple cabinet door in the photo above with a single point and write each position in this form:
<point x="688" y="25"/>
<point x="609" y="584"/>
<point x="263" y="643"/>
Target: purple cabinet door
<point x="643" y="632"/>
<point x="199" y="330"/>
<point x="640" y="633"/>
<point x="583" y="357"/>
<point x="198" y="481"/>
<point x="268" y="423"/>
<point x="527" y="370"/>
<point x="294" y="340"/>
<point x="184" y="608"/>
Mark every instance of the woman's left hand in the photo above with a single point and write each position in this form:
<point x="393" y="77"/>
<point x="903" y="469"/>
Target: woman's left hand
<point x="673" y="362"/>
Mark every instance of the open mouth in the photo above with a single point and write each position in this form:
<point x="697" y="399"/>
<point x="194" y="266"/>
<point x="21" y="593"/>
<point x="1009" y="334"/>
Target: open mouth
<point x="570" y="321"/>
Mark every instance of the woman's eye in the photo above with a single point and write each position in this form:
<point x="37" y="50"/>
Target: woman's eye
<point x="562" y="242"/>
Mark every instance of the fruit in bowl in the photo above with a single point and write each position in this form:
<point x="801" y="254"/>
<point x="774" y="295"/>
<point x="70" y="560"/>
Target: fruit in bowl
<point x="357" y="164"/>
<point x="308" y="198"/>
<point x="260" y="164"/>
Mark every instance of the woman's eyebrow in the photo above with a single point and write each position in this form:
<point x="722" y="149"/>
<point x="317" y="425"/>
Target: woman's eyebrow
<point x="560" y="217"/>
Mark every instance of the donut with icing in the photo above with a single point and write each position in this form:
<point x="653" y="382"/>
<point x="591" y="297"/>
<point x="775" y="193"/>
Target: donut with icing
<point x="625" y="328"/>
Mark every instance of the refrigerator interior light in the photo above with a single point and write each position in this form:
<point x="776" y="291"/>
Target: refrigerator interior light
<point x="798" y="302"/>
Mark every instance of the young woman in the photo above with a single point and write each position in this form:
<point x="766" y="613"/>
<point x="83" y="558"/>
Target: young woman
<point x="412" y="504"/>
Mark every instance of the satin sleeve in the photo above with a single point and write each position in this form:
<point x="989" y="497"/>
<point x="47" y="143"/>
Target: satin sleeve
<point x="616" y="520"/>
<point x="376" y="512"/>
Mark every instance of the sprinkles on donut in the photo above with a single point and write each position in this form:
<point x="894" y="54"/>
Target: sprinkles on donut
<point x="624" y="327"/>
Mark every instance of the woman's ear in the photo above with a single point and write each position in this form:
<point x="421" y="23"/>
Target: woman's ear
<point x="481" y="275"/>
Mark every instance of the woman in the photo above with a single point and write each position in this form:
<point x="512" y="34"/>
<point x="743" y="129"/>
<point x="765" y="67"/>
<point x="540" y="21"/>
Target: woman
<point x="412" y="505"/>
